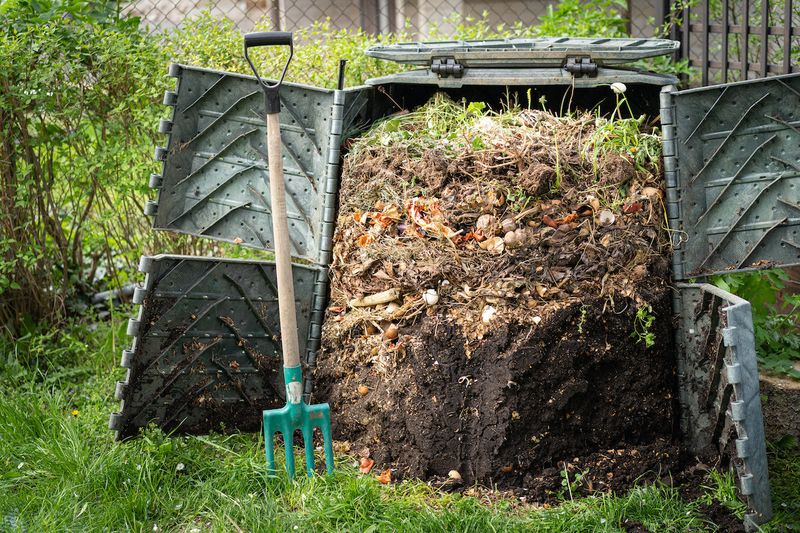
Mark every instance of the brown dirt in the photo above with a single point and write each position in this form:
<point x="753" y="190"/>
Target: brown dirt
<point x="722" y="517"/>
<point x="511" y="408"/>
<point x="781" y="405"/>
<point x="691" y="481"/>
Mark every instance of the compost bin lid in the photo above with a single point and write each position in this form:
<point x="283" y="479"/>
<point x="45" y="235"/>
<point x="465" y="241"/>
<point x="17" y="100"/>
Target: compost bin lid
<point x="543" y="61"/>
<point x="521" y="53"/>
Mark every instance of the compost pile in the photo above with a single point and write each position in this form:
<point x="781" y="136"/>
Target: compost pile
<point x="500" y="310"/>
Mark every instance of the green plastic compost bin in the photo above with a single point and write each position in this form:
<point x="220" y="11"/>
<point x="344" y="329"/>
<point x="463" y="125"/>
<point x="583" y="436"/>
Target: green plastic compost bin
<point x="205" y="350"/>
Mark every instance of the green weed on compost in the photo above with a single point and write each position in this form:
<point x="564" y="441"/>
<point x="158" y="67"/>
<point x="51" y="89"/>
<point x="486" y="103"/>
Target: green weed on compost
<point x="500" y="310"/>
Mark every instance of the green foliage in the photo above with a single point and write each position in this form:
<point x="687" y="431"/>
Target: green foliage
<point x="80" y="94"/>
<point x="62" y="357"/>
<point x="760" y="288"/>
<point x="630" y="136"/>
<point x="77" y="108"/>
<point x="455" y="127"/>
<point x="778" y="340"/>
<point x="23" y="13"/>
<point x="721" y="486"/>
<point x="642" y="326"/>
<point x="440" y="123"/>
<point x="61" y="471"/>
<point x="784" y="471"/>
<point x="317" y="51"/>
<point x="777" y="331"/>
<point x="674" y="18"/>
<point x="582" y="318"/>
<point x="668" y="64"/>
<point x="576" y="18"/>
<point x="570" y="486"/>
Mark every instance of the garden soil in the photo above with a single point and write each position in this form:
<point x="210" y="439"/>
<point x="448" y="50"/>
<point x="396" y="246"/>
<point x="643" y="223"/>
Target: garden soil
<point x="500" y="308"/>
<point x="526" y="403"/>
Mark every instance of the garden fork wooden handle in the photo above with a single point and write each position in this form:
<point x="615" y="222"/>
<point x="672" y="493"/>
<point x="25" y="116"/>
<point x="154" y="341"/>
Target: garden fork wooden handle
<point x="280" y="226"/>
<point x="283" y="252"/>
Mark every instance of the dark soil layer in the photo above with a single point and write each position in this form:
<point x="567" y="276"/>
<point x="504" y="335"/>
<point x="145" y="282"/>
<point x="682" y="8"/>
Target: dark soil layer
<point x="781" y="408"/>
<point x="691" y="481"/>
<point x="517" y="406"/>
<point x="722" y="517"/>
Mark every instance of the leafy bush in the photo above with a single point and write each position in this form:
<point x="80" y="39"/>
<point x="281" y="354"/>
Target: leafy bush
<point x="575" y="18"/>
<point x="597" y="18"/>
<point x="317" y="51"/>
<point x="77" y="106"/>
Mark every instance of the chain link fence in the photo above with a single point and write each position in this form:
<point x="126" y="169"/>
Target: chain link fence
<point x="417" y="17"/>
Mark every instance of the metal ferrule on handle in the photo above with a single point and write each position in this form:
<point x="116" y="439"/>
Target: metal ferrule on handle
<point x="293" y="377"/>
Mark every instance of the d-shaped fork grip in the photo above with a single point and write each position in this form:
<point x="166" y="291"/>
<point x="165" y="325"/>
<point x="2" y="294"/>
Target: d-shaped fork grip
<point x="269" y="38"/>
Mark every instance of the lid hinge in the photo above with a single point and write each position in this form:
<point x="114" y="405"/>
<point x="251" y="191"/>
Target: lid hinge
<point x="446" y="67"/>
<point x="581" y="66"/>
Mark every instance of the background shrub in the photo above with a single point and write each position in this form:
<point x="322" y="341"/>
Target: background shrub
<point x="78" y="101"/>
<point x="318" y="49"/>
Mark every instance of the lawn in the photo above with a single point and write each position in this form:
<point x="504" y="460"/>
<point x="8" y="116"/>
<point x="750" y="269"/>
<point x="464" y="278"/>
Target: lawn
<point x="60" y="470"/>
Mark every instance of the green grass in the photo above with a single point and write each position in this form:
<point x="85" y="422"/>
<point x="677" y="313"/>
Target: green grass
<point x="61" y="470"/>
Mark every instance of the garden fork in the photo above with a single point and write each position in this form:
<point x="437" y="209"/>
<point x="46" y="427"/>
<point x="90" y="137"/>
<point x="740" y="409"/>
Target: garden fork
<point x="296" y="414"/>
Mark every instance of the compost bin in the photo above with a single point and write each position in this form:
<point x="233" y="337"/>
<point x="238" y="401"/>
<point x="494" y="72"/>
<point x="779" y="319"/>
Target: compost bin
<point x="205" y="354"/>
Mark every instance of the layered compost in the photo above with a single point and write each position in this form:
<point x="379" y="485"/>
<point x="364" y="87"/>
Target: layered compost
<point x="500" y="308"/>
